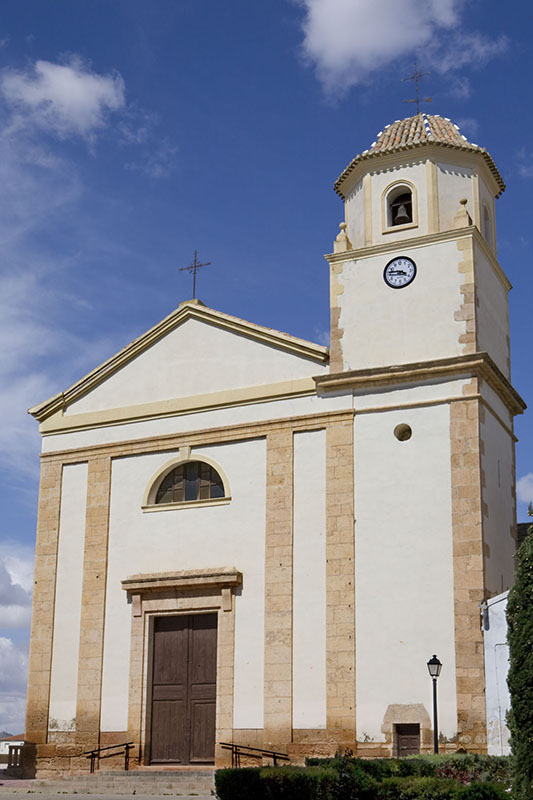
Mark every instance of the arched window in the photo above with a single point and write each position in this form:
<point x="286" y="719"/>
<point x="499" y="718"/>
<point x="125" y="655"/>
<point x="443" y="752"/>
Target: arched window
<point x="192" y="480"/>
<point x="400" y="206"/>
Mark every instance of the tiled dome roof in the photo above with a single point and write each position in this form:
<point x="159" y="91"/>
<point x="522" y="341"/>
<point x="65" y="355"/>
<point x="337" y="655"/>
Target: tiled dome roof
<point x="422" y="129"/>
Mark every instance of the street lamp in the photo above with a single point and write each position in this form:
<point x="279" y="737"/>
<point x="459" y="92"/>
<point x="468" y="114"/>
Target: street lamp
<point x="434" y="668"/>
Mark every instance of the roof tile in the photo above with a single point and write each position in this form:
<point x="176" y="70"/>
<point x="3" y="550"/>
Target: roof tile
<point x="422" y="129"/>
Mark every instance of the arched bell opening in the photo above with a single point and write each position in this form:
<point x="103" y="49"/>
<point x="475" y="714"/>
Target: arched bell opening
<point x="399" y="206"/>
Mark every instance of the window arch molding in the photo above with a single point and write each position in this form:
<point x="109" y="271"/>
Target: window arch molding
<point x="150" y="493"/>
<point x="390" y="193"/>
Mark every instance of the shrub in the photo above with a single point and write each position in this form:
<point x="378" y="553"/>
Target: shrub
<point x="417" y="788"/>
<point x="483" y="791"/>
<point x="353" y="782"/>
<point x="239" y="784"/>
<point x="463" y="768"/>
<point x="442" y="777"/>
<point x="520" y="678"/>
<point x="297" y="783"/>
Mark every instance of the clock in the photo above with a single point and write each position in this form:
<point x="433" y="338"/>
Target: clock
<point x="399" y="272"/>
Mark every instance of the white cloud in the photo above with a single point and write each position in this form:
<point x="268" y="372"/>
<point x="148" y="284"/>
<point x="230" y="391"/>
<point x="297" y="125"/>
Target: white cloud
<point x="158" y="162"/>
<point x="525" y="163"/>
<point x="322" y="336"/>
<point x="524" y="488"/>
<point x="13" y="666"/>
<point x="460" y="88"/>
<point x="468" y="125"/>
<point x="465" y="49"/>
<point x="63" y="99"/>
<point x="348" y="40"/>
<point x="16" y="578"/>
<point x="13" y="672"/>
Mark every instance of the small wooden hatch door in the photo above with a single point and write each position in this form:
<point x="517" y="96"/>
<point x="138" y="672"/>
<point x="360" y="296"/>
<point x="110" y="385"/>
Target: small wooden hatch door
<point x="407" y="739"/>
<point x="184" y="689"/>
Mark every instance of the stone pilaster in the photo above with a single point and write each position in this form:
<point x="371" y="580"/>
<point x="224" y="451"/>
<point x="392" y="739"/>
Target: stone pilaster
<point x="42" y="620"/>
<point x="469" y="589"/>
<point x="340" y="582"/>
<point x="278" y="590"/>
<point x="93" y="602"/>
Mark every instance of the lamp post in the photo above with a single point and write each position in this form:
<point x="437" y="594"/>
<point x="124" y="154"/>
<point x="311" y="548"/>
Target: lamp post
<point x="434" y="668"/>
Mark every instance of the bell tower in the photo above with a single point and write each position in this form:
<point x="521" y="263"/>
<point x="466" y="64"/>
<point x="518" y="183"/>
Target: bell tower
<point x="425" y="195"/>
<point x="420" y="346"/>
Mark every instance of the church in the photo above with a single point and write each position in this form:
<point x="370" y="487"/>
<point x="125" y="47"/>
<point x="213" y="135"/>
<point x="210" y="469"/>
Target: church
<point x="246" y="537"/>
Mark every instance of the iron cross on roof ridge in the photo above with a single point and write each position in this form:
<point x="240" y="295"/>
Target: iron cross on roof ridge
<point x="416" y="77"/>
<point x="194" y="267"/>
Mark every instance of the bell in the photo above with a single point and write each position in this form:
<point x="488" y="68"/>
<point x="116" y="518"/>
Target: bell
<point x="401" y="216"/>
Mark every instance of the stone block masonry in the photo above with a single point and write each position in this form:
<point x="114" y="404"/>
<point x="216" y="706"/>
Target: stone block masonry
<point x="469" y="588"/>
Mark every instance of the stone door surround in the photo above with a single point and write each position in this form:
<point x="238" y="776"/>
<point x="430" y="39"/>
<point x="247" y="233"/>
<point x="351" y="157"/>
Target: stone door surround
<point x="185" y="592"/>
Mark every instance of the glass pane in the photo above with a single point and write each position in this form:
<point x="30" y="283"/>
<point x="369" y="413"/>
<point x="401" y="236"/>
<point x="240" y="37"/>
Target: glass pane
<point x="191" y="481"/>
<point x="195" y="480"/>
<point x="164" y="496"/>
<point x="217" y="488"/>
<point x="171" y="488"/>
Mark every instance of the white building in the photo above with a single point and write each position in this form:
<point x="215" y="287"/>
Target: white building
<point x="245" y="537"/>
<point x="496" y="669"/>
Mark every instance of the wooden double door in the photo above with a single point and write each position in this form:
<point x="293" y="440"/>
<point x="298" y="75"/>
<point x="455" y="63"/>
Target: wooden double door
<point x="184" y="689"/>
<point x="407" y="739"/>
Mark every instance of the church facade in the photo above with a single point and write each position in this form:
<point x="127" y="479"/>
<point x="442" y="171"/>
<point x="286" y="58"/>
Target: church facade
<point x="247" y="537"/>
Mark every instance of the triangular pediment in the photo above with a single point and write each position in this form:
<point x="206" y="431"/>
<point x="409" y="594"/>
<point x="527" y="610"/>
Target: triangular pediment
<point x="193" y="352"/>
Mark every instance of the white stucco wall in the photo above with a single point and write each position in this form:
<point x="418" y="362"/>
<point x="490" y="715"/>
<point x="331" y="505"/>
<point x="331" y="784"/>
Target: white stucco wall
<point x="492" y="313"/>
<point x="355" y="215"/>
<point x="497" y="465"/>
<point x="486" y="198"/>
<point x="67" y="614"/>
<point x="384" y="326"/>
<point x="414" y="173"/>
<point x="438" y="389"/>
<point x="309" y="581"/>
<point x="454" y="182"/>
<point x="254" y="412"/>
<point x="496" y="669"/>
<point x="228" y="535"/>
<point x="170" y="368"/>
<point x="404" y="566"/>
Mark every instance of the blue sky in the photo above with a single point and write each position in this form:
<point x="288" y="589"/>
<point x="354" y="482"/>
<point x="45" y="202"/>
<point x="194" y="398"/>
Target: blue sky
<point x="133" y="132"/>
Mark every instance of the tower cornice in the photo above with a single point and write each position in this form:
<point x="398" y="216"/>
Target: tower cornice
<point x="454" y="234"/>
<point x="478" y="365"/>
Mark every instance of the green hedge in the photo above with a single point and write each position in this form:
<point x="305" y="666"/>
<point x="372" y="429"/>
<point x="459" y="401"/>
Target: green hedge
<point x="520" y="677"/>
<point x="271" y="783"/>
<point x="463" y="768"/>
<point x="452" y="777"/>
<point x="239" y="784"/>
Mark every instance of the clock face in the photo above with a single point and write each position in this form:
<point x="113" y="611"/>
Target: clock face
<point x="399" y="272"/>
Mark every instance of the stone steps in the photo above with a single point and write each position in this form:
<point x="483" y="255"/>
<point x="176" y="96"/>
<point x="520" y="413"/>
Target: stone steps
<point x="139" y="782"/>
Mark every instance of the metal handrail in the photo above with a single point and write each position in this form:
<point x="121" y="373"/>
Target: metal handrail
<point x="237" y="750"/>
<point x="94" y="754"/>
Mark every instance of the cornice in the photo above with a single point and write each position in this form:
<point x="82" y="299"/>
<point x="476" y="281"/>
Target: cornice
<point x="187" y="579"/>
<point x="477" y="364"/>
<point x="393" y="246"/>
<point x="200" y="437"/>
<point x="185" y="311"/>
<point x="60" y="422"/>
<point x="421" y="151"/>
<point x="439" y="237"/>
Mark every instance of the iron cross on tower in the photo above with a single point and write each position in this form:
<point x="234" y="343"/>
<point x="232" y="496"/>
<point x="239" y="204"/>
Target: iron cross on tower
<point x="417" y="99"/>
<point x="194" y="267"/>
